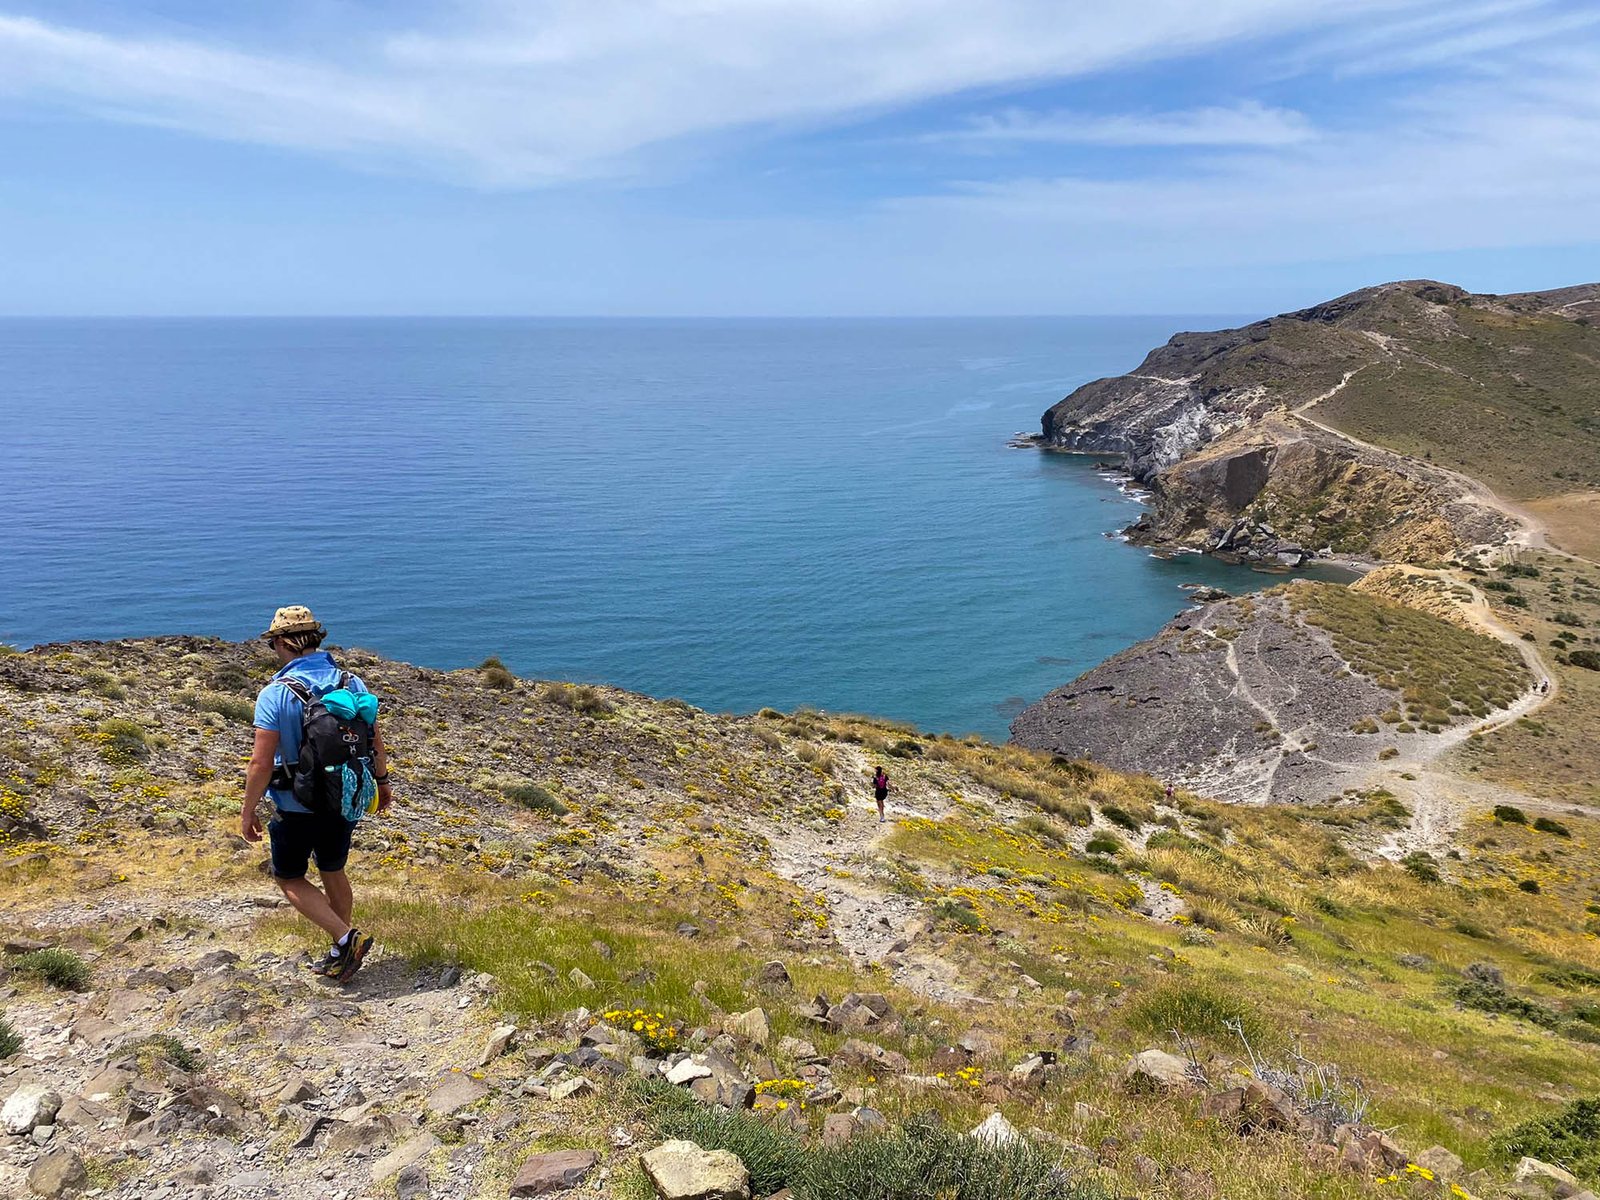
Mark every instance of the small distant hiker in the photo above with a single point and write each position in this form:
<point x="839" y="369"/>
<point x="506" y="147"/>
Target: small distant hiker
<point x="1169" y="793"/>
<point x="319" y="757"/>
<point x="880" y="789"/>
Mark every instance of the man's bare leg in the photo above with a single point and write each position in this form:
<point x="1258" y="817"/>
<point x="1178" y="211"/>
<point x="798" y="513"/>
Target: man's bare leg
<point x="311" y="904"/>
<point x="341" y="897"/>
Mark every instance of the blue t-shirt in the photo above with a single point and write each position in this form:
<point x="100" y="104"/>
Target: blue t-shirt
<point x="279" y="709"/>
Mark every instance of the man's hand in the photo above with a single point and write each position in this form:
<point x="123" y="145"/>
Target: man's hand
<point x="250" y="824"/>
<point x="385" y="797"/>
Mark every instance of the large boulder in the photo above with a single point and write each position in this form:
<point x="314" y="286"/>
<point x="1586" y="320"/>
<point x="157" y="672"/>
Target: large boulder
<point x="31" y="1105"/>
<point x="57" y="1173"/>
<point x="1547" y="1179"/>
<point x="683" y="1171"/>
<point x="1158" y="1071"/>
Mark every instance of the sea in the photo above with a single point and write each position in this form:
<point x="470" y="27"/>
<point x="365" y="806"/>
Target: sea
<point x="739" y="513"/>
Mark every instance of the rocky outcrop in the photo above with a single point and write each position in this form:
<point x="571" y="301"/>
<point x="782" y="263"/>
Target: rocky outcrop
<point x="1210" y="423"/>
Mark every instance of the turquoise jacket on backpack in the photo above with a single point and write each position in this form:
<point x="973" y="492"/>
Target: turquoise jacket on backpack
<point x="280" y="710"/>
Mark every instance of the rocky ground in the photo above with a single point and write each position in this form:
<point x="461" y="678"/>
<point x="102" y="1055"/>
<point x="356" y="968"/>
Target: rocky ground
<point x="621" y="941"/>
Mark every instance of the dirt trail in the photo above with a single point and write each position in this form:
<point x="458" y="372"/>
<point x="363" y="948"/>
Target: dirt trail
<point x="1439" y="801"/>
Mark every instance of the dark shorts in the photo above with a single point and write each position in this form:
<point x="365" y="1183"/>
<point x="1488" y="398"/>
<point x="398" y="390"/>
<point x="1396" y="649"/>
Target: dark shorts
<point x="297" y="838"/>
<point x="881" y="794"/>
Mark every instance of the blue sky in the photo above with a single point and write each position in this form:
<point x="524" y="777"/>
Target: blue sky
<point x="775" y="157"/>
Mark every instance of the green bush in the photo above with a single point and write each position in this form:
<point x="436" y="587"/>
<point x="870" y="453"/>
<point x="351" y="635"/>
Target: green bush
<point x="531" y="795"/>
<point x="10" y="1039"/>
<point x="1485" y="997"/>
<point x="1421" y="865"/>
<point x="580" y="698"/>
<point x="1570" y="1139"/>
<point x="1510" y="814"/>
<point x="1073" y="812"/>
<point x="123" y="741"/>
<point x="1550" y="825"/>
<point x="774" y="1157"/>
<point x="1103" y="843"/>
<point x="1570" y="619"/>
<point x="1531" y="886"/>
<point x="496" y="674"/>
<point x="926" y="1159"/>
<point x="59" y="968"/>
<point x="1589" y="660"/>
<point x="1118" y="815"/>
<point x="233" y="707"/>
<point x="1197" y="1010"/>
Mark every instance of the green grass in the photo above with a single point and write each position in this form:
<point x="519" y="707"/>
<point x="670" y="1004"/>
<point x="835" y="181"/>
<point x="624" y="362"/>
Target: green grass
<point x="1569" y="1138"/>
<point x="1442" y="672"/>
<point x="58" y="968"/>
<point x="10" y="1039"/>
<point x="158" y="1047"/>
<point x="234" y="708"/>
<point x="579" y="698"/>
<point x="1195" y="1009"/>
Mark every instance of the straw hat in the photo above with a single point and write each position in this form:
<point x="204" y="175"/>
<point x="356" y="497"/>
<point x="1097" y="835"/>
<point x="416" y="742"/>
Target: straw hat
<point x="292" y="618"/>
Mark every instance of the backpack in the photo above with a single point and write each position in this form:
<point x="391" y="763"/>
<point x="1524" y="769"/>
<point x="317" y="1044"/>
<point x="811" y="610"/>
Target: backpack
<point x="333" y="775"/>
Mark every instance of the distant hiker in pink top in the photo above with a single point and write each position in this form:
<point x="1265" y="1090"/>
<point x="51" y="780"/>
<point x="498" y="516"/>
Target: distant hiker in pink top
<point x="880" y="789"/>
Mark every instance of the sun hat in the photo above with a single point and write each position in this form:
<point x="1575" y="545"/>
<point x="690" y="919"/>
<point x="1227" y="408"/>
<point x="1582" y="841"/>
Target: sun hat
<point x="292" y="618"/>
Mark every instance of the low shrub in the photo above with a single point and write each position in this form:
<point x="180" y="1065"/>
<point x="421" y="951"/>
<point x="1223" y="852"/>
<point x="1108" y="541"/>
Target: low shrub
<point x="1196" y="1010"/>
<point x="1073" y="812"/>
<point x="496" y="674"/>
<point x="1550" y="825"/>
<point x="926" y="1158"/>
<point x="1420" y="865"/>
<point x="1041" y="827"/>
<point x="162" y="1047"/>
<point x="1103" y="843"/>
<point x="1569" y="1138"/>
<point x="774" y="1157"/>
<point x="1118" y="815"/>
<point x="235" y="708"/>
<point x="59" y="968"/>
<point x="532" y="795"/>
<point x="10" y="1039"/>
<point x="1531" y="886"/>
<point x="1510" y="814"/>
<point x="579" y="698"/>
<point x="1589" y="660"/>
<point x="122" y="741"/>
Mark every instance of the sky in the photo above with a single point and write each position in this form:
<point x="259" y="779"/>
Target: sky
<point x="788" y="157"/>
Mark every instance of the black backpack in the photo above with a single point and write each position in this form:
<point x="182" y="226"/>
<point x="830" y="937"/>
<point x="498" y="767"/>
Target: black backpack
<point x="333" y="775"/>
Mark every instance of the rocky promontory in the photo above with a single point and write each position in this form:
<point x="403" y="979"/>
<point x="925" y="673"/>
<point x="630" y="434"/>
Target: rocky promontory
<point x="1319" y="428"/>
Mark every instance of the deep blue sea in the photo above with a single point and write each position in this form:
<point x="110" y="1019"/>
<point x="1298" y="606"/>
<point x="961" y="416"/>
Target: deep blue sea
<point x="739" y="513"/>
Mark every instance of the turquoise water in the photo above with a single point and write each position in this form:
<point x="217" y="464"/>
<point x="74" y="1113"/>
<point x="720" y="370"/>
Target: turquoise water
<point x="740" y="513"/>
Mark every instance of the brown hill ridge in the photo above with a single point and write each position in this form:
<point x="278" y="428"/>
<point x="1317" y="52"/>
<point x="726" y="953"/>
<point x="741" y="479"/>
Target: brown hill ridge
<point x="1404" y="422"/>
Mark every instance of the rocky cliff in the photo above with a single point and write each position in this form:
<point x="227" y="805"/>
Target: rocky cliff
<point x="1321" y="424"/>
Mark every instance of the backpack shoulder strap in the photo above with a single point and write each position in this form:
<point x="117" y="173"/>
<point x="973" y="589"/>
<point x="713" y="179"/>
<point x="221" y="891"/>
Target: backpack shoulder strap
<point x="344" y="679"/>
<point x="296" y="689"/>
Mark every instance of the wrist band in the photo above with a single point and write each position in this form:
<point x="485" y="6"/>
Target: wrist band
<point x="381" y="779"/>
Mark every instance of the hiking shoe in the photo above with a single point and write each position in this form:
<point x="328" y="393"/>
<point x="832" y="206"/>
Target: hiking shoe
<point x="350" y="957"/>
<point x="325" y="965"/>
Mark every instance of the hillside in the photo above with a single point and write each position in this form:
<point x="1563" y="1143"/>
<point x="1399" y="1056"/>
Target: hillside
<point x="1405" y="421"/>
<point x="580" y="887"/>
<point x="1291" y="696"/>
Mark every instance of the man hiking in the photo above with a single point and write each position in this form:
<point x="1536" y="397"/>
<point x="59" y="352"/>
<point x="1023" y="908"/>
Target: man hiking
<point x="337" y="768"/>
<point x="880" y="790"/>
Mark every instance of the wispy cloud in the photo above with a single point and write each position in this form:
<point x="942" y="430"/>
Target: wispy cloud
<point x="1246" y="124"/>
<point x="1447" y="167"/>
<point x="533" y="92"/>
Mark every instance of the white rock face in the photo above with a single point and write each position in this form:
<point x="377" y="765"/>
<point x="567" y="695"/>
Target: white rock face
<point x="687" y="1071"/>
<point x="683" y="1171"/>
<point x="996" y="1130"/>
<point x="30" y="1105"/>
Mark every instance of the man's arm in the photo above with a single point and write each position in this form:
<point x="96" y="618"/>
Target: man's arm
<point x="256" y="778"/>
<point x="380" y="764"/>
